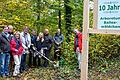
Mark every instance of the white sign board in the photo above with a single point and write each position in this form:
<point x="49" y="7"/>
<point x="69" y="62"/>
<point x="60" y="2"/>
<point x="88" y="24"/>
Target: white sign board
<point x="108" y="14"/>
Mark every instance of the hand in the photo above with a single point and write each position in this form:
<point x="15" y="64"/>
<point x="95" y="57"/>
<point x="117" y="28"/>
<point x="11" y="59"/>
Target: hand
<point x="26" y="48"/>
<point x="32" y="44"/>
<point x="27" y="52"/>
<point x="78" y="49"/>
<point x="57" y="43"/>
<point x="1" y="53"/>
<point x="16" y="50"/>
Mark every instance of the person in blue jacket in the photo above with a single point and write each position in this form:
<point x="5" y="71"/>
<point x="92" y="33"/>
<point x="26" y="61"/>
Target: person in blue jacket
<point x="58" y="40"/>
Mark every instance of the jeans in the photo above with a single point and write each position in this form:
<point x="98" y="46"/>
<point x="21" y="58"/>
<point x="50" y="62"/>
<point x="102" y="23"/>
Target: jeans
<point x="23" y="62"/>
<point x="17" y="60"/>
<point x="4" y="64"/>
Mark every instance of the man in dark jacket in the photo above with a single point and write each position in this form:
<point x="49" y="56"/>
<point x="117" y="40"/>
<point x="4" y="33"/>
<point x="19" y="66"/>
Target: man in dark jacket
<point x="4" y="52"/>
<point x="48" y="44"/>
<point x="32" y="59"/>
<point x="33" y="37"/>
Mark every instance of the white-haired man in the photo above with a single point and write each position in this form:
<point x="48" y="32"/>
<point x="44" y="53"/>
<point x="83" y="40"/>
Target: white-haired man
<point x="78" y="45"/>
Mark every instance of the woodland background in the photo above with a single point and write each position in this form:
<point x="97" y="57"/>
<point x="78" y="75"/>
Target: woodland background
<point x="104" y="50"/>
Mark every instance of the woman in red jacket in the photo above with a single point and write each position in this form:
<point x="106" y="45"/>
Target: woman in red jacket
<point x="78" y="45"/>
<point x="17" y="49"/>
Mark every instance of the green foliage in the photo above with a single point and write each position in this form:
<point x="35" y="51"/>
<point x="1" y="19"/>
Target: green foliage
<point x="77" y="14"/>
<point x="69" y="56"/>
<point x="41" y="14"/>
<point x="17" y="14"/>
<point x="103" y="48"/>
<point x="20" y="13"/>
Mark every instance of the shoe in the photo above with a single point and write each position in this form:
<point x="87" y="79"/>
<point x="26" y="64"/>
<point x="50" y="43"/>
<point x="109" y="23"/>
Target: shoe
<point x="3" y="76"/>
<point x="7" y="75"/>
<point x="21" y="71"/>
<point x="18" y="72"/>
<point x="57" y="63"/>
<point x="14" y="74"/>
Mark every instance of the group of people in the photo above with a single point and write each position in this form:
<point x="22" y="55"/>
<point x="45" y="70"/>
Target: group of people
<point x="15" y="49"/>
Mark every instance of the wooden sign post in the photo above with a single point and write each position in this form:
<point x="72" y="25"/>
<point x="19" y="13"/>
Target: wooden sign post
<point x="106" y="21"/>
<point x="84" y="65"/>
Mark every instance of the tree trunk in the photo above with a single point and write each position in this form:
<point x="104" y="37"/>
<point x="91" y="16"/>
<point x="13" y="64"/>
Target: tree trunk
<point x="38" y="24"/>
<point x="38" y="16"/>
<point x="59" y="14"/>
<point x="68" y="16"/>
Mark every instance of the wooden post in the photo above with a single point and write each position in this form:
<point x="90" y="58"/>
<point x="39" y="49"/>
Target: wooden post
<point x="85" y="42"/>
<point x="95" y="14"/>
<point x="94" y="30"/>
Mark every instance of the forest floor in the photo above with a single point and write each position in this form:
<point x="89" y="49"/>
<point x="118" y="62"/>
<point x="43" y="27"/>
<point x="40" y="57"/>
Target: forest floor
<point x="64" y="74"/>
<point x="109" y="72"/>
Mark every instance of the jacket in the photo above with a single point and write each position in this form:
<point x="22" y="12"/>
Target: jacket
<point x="4" y="43"/>
<point x="58" y="39"/>
<point x="39" y="44"/>
<point x="79" y="41"/>
<point x="13" y="45"/>
<point x="23" y="40"/>
<point x="48" y="41"/>
<point x="33" y="39"/>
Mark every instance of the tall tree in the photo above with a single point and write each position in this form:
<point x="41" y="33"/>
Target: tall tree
<point x="59" y="14"/>
<point x="38" y="16"/>
<point x="68" y="16"/>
